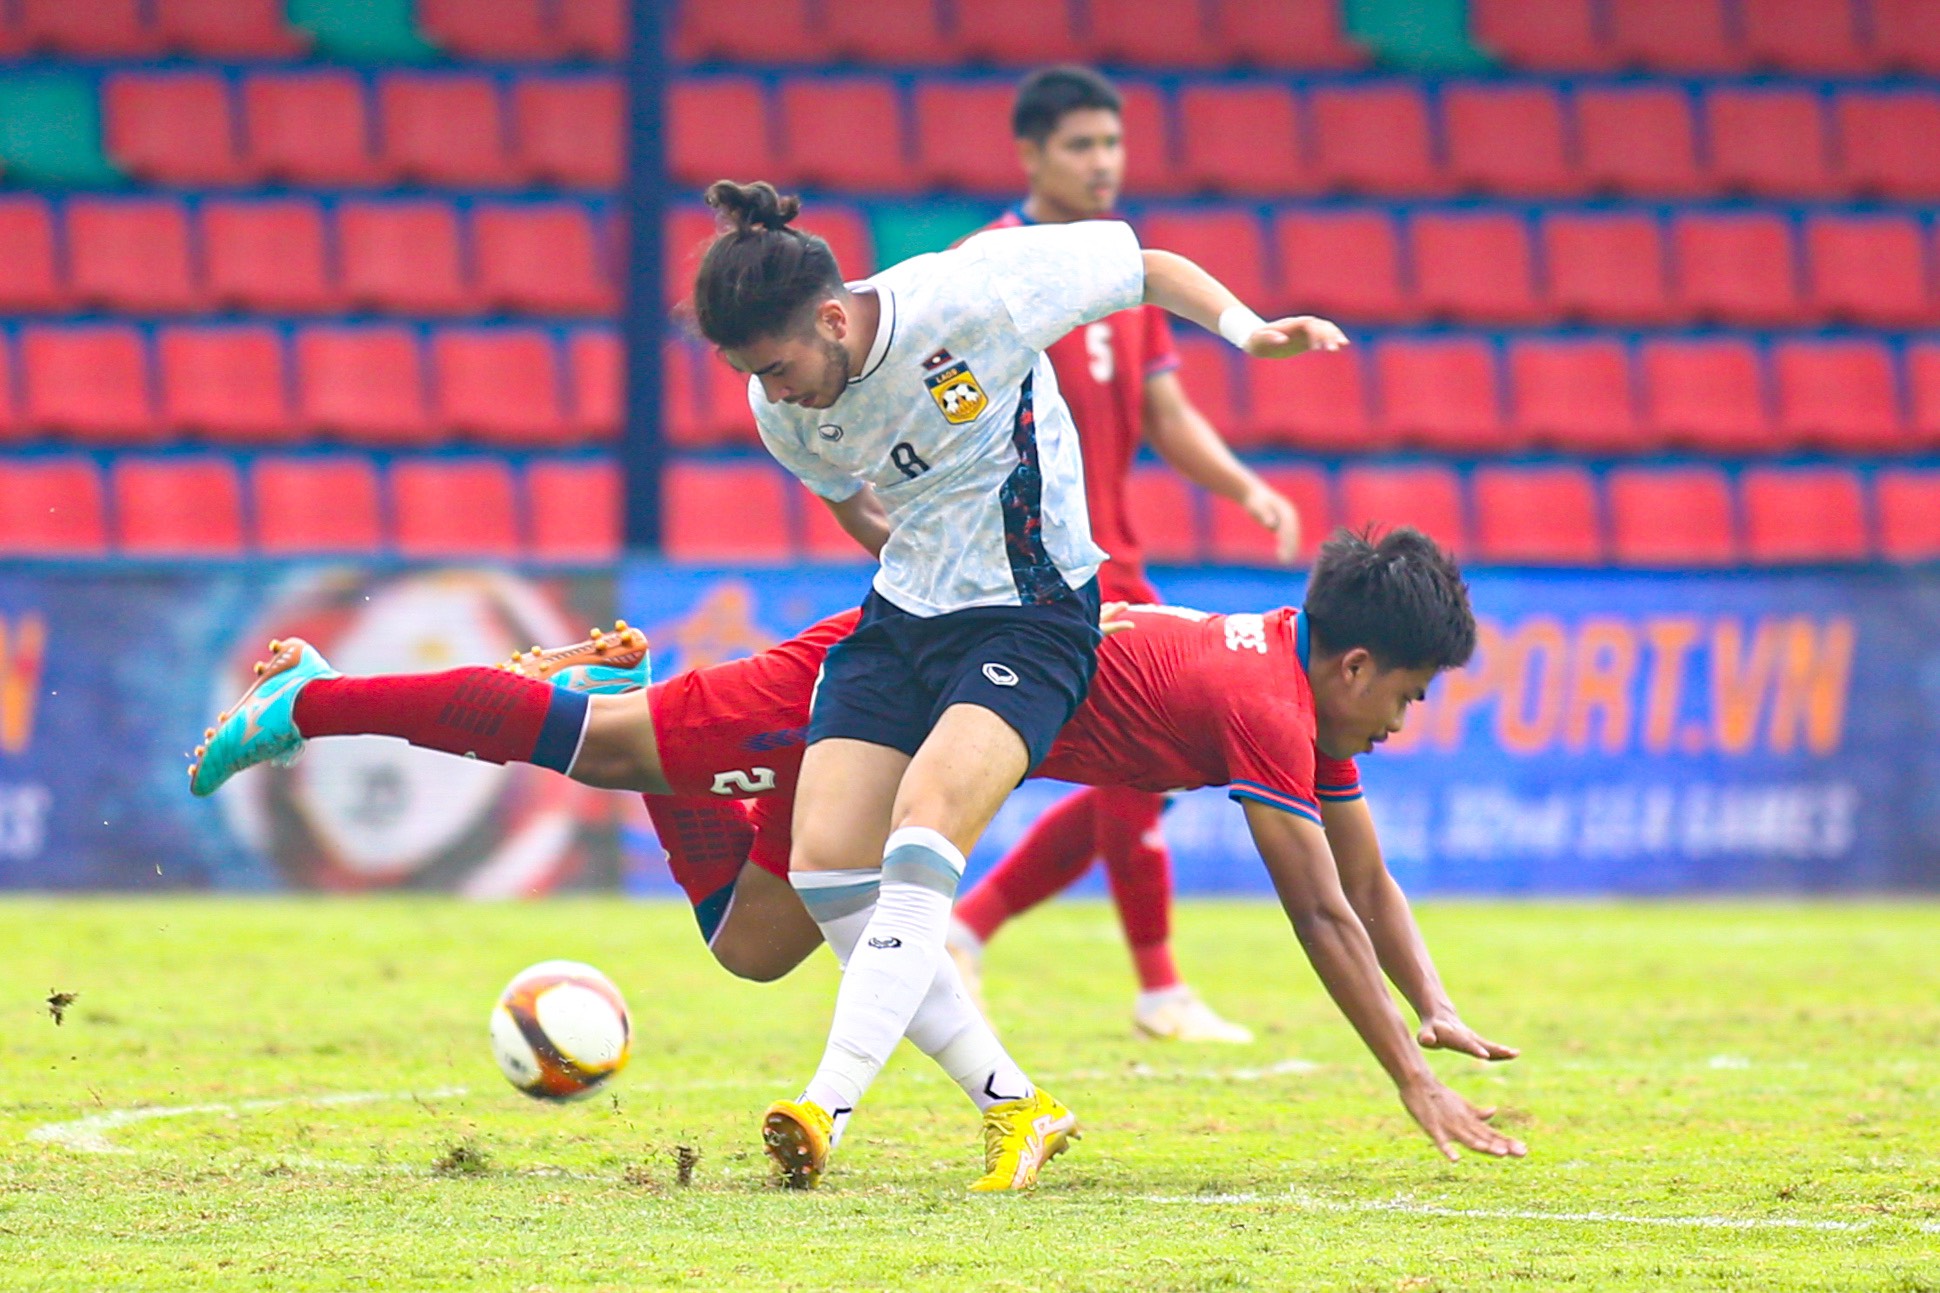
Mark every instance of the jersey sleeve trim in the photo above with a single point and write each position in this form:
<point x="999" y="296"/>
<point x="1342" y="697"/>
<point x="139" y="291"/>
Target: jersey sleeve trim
<point x="1163" y="364"/>
<point x="1272" y="798"/>
<point x="1340" y="790"/>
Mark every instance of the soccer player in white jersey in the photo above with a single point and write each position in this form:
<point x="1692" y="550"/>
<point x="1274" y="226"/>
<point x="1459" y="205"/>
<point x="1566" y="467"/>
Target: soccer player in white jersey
<point x="920" y="406"/>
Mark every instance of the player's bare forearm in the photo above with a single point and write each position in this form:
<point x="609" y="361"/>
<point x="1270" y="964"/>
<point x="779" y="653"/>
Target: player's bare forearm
<point x="862" y="516"/>
<point x="1180" y="287"/>
<point x="1183" y="437"/>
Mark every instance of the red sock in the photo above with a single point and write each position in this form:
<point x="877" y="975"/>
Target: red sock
<point x="1140" y="871"/>
<point x="1052" y="854"/>
<point x="707" y="843"/>
<point x="479" y="712"/>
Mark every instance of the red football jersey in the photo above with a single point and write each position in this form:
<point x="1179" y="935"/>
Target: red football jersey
<point x="1102" y="369"/>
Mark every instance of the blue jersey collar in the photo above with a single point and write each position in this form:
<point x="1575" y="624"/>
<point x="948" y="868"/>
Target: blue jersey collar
<point x="1302" y="648"/>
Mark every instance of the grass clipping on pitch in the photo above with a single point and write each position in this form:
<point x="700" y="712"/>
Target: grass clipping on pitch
<point x="299" y="1095"/>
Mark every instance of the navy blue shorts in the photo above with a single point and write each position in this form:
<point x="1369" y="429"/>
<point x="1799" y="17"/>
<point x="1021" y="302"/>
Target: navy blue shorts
<point x="890" y="681"/>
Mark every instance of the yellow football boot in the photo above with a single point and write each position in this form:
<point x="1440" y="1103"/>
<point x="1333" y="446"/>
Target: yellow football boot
<point x="798" y="1135"/>
<point x="1020" y="1137"/>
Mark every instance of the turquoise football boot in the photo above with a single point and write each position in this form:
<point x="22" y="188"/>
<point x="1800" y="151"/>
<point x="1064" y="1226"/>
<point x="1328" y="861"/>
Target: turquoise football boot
<point x="261" y="726"/>
<point x="605" y="664"/>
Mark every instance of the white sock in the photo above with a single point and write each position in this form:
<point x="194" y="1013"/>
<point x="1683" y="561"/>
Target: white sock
<point x="1148" y="1000"/>
<point x="890" y="970"/>
<point x="949" y="1029"/>
<point x="841" y="903"/>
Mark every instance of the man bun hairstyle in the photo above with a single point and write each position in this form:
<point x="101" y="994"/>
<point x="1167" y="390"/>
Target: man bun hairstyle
<point x="1400" y="596"/>
<point x="1047" y="94"/>
<point x="759" y="273"/>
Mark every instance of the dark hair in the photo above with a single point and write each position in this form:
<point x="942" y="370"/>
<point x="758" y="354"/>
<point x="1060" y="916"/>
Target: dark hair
<point x="1399" y="596"/>
<point x="758" y="273"/>
<point x="1047" y="94"/>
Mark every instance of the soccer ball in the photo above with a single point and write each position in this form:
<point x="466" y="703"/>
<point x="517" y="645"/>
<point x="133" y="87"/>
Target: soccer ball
<point x="560" y="1029"/>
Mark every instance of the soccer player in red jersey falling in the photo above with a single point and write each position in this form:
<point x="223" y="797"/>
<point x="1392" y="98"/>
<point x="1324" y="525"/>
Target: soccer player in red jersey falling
<point x="1119" y="376"/>
<point x="1273" y="706"/>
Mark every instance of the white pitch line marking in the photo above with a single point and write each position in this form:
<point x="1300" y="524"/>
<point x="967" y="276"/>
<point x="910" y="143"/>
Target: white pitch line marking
<point x="1313" y="1203"/>
<point x="90" y="1134"/>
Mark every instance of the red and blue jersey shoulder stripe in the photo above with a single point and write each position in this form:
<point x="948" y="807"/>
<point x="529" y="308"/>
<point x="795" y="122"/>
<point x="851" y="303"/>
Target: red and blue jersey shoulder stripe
<point x="1284" y="800"/>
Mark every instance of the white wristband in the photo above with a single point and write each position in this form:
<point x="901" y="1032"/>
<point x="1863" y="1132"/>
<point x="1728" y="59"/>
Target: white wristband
<point x="1237" y="323"/>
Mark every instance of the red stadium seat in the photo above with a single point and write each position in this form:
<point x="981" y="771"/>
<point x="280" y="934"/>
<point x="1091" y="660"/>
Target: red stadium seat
<point x="10" y="427"/>
<point x="1575" y="395"/>
<point x="1707" y="394"/>
<point x="172" y="128"/>
<point x="455" y="508"/>
<point x="724" y="416"/>
<point x="1543" y="35"/>
<point x="963" y="138"/>
<point x="1508" y="139"/>
<point x="1923" y="390"/>
<point x="1164" y="514"/>
<point x="1906" y="35"/>
<point x="177" y="507"/>
<point x="1285" y="36"/>
<point x="1018" y="33"/>
<point x="403" y="257"/>
<point x="1536" y="516"/>
<point x="725" y="512"/>
<point x="1677" y="516"/>
<point x="1149" y="168"/>
<point x="1735" y="267"/>
<point x="598" y="382"/>
<point x="750" y="31"/>
<point x="1318" y="402"/>
<point x="316" y="505"/>
<point x="1342" y="263"/>
<point x="499" y="384"/>
<point x="89" y="381"/>
<point x="230" y="29"/>
<point x="1441" y="392"/>
<point x="1228" y="243"/>
<point x="443" y="129"/>
<point x="1675" y="36"/>
<point x="266" y="254"/>
<point x="1152" y="33"/>
<point x="1907" y="504"/>
<point x="1237" y="537"/>
<point x="130" y="254"/>
<point x="1770" y="143"/>
<point x="823" y="538"/>
<point x="684" y="241"/>
<point x="718" y="128"/>
<point x="308" y="128"/>
<point x="1638" y="140"/>
<point x="1885" y="141"/>
<point x="540" y="258"/>
<point x="1806" y="36"/>
<point x="1240" y="139"/>
<point x="29" y="280"/>
<point x="97" y="29"/>
<point x="51" y="507"/>
<point x="595" y="29"/>
<point x="846" y="230"/>
<point x="226" y="383"/>
<point x="1373" y="138"/>
<point x="1606" y="268"/>
<point x="365" y="384"/>
<point x="1803" y="515"/>
<point x="846" y="132"/>
<point x="1427" y="498"/>
<point x="1868" y="269"/>
<point x="1207" y="374"/>
<point x="680" y="397"/>
<point x="567" y="130"/>
<point x="491" y="30"/>
<point x="1475" y="266"/>
<point x="1839" y="394"/>
<point x="911" y="32"/>
<point x="575" y="509"/>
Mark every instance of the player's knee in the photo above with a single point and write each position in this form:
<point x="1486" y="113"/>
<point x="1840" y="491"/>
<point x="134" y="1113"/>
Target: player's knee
<point x="755" y="964"/>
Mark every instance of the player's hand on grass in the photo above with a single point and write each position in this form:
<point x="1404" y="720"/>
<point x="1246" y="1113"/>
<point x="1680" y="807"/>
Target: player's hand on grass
<point x="1284" y="338"/>
<point x="1449" y="1033"/>
<point x="1112" y="618"/>
<point x="1450" y="1120"/>
<point x="1277" y="513"/>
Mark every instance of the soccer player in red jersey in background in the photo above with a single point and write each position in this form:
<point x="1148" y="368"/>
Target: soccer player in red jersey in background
<point x="1119" y="376"/>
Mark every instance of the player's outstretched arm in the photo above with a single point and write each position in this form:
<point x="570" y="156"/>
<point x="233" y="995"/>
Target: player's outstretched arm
<point x="1179" y="286"/>
<point x="862" y="515"/>
<point x="1390" y="923"/>
<point x="1304" y="874"/>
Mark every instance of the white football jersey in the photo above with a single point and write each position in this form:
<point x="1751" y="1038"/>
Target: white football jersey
<point x="956" y="419"/>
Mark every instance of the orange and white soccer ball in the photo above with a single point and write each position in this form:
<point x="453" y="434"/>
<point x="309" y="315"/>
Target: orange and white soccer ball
<point x="560" y="1029"/>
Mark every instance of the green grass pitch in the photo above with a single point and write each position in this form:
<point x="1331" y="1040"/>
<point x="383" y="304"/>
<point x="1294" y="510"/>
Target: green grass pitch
<point x="298" y="1095"/>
